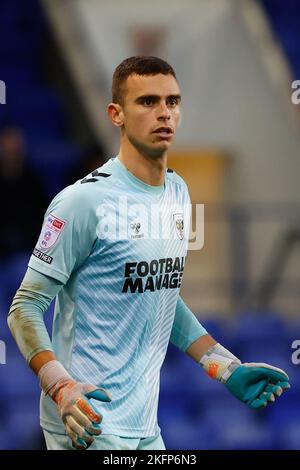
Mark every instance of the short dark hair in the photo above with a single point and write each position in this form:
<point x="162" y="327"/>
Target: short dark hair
<point x="139" y="65"/>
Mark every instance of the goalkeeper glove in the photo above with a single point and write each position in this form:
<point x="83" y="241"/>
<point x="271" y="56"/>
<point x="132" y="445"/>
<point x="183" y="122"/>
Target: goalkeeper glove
<point x="80" y="419"/>
<point x="255" y="384"/>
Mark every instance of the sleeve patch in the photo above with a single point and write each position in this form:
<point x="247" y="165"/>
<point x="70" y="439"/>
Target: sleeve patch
<point x="51" y="230"/>
<point x="38" y="254"/>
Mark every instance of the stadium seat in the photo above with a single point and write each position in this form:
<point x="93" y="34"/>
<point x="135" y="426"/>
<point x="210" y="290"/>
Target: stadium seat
<point x="289" y="437"/>
<point x="246" y="436"/>
<point x="27" y="420"/>
<point x="186" y="434"/>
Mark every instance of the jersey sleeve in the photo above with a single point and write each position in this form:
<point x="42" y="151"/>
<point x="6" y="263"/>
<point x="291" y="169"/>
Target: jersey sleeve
<point x="67" y="235"/>
<point x="186" y="327"/>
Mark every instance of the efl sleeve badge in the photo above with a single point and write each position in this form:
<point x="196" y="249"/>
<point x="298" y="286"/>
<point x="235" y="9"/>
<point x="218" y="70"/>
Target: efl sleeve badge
<point x="51" y="230"/>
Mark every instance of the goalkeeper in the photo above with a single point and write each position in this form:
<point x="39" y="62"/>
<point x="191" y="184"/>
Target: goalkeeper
<point x="117" y="288"/>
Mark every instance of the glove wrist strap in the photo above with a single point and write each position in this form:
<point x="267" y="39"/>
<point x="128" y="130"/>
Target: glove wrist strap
<point x="219" y="363"/>
<point x="50" y="374"/>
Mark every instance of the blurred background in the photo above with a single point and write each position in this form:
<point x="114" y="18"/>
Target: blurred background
<point x="238" y="149"/>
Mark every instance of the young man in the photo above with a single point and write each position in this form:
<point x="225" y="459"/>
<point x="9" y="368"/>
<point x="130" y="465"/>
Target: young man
<point x="117" y="278"/>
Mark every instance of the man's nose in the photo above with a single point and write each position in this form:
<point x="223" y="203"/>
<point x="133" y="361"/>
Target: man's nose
<point x="164" y="112"/>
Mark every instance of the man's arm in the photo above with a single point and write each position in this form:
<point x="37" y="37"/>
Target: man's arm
<point x="255" y="384"/>
<point x="26" y="323"/>
<point x="187" y="332"/>
<point x="40" y="359"/>
<point x="199" y="347"/>
<point x="25" y="318"/>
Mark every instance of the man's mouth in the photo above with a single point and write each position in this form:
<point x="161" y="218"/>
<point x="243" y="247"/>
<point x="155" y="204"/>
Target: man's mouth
<point x="164" y="132"/>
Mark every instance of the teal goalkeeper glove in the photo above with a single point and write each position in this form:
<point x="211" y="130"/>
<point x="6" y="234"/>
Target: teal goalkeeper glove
<point x="255" y="384"/>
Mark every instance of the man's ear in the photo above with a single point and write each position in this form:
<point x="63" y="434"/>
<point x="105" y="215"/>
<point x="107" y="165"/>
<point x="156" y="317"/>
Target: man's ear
<point x="115" y="113"/>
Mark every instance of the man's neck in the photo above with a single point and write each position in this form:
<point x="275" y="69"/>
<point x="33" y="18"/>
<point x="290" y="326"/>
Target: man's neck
<point x="149" y="170"/>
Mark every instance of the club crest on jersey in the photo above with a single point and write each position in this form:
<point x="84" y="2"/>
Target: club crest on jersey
<point x="178" y="219"/>
<point x="52" y="228"/>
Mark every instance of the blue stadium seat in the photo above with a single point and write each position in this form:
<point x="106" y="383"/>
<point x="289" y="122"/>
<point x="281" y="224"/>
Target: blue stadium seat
<point x="18" y="377"/>
<point x="35" y="106"/>
<point x="215" y="326"/>
<point x="18" y="78"/>
<point x="21" y="50"/>
<point x="286" y="24"/>
<point x="224" y="409"/>
<point x="285" y="412"/>
<point x="10" y="18"/>
<point x="259" y="324"/>
<point x="262" y="329"/>
<point x="23" y="426"/>
<point x="247" y="436"/>
<point x="53" y="159"/>
<point x="289" y="437"/>
<point x="185" y="434"/>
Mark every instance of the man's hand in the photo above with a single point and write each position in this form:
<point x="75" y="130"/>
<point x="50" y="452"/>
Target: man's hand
<point x="81" y="420"/>
<point x="257" y="384"/>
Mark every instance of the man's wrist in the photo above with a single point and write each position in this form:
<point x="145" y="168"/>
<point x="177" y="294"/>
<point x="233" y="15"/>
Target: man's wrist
<point x="219" y="363"/>
<point x="52" y="373"/>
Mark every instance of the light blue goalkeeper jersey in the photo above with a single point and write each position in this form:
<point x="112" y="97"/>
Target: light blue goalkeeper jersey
<point x="119" y="246"/>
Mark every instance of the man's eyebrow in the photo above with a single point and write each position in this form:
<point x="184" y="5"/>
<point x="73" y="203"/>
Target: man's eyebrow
<point x="178" y="97"/>
<point x="142" y="98"/>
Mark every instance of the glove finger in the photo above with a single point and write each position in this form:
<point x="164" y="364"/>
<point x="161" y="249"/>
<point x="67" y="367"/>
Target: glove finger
<point x="80" y="417"/>
<point x="274" y="374"/>
<point x="268" y="396"/>
<point x="76" y="441"/>
<point x="79" y="430"/>
<point x="276" y="389"/>
<point x="85" y="422"/>
<point x="99" y="394"/>
<point x="79" y="444"/>
<point x="258" y="403"/>
<point x="88" y="410"/>
<point x="285" y="385"/>
<point x="96" y="425"/>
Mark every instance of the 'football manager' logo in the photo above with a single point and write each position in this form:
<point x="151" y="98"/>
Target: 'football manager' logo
<point x="2" y="92"/>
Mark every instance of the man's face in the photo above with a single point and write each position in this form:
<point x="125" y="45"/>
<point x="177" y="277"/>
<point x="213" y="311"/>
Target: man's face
<point x="151" y="112"/>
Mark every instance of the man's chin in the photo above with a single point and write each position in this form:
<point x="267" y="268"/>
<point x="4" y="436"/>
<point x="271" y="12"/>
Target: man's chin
<point x="154" y="149"/>
<point x="160" y="149"/>
<point x="163" y="145"/>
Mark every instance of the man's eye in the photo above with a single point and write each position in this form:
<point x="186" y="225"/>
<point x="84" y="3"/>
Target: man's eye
<point x="173" y="101"/>
<point x="148" y="101"/>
